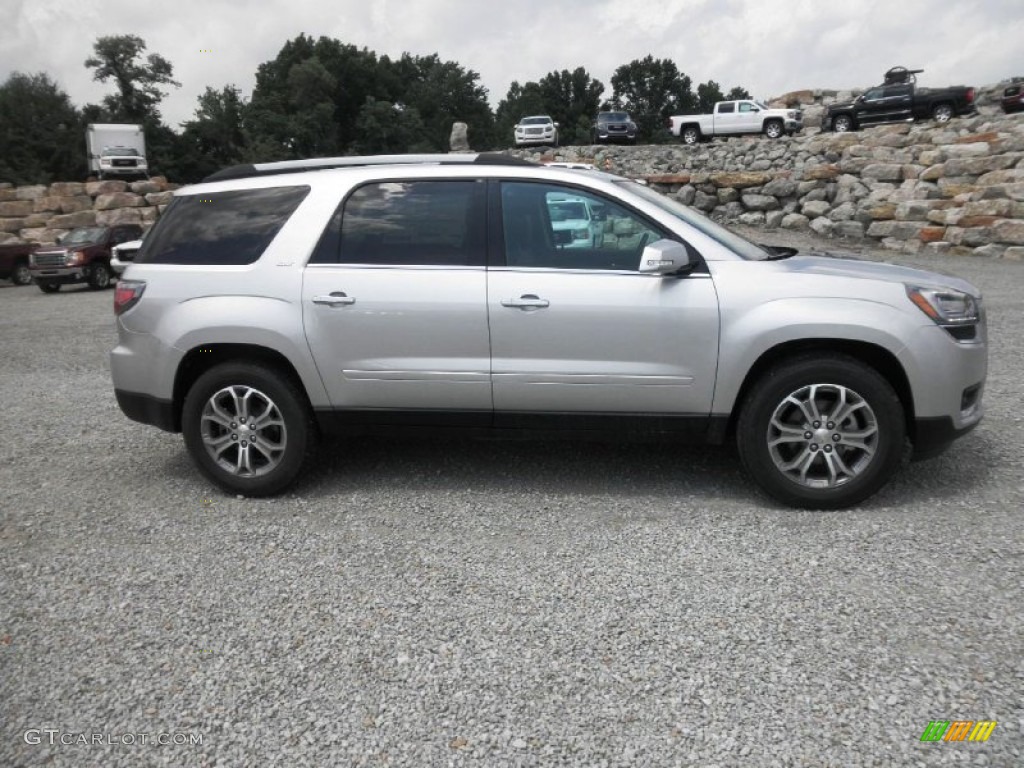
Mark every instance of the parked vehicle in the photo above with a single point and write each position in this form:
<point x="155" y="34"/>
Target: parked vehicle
<point x="1013" y="99"/>
<point x="671" y="326"/>
<point x="538" y="129"/>
<point x="613" y="126"/>
<point x="80" y="256"/>
<point x="899" y="100"/>
<point x="116" y="150"/>
<point x="735" y="118"/>
<point x="123" y="254"/>
<point x="573" y="223"/>
<point x="14" y="262"/>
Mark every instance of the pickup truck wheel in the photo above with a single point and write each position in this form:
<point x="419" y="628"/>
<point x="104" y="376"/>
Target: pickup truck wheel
<point x="21" y="275"/>
<point x="99" y="277"/>
<point x="49" y="287"/>
<point x="821" y="432"/>
<point x="691" y="134"/>
<point x="942" y="113"/>
<point x="774" y="129"/>
<point x="842" y="124"/>
<point x="248" y="428"/>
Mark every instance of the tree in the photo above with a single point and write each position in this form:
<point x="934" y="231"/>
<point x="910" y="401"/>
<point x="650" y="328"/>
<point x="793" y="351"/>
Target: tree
<point x="738" y="93"/>
<point x="215" y="138"/>
<point x="520" y="101"/>
<point x="651" y="90"/>
<point x="386" y="128"/>
<point x="138" y="91"/>
<point x="42" y="135"/>
<point x="707" y="95"/>
<point x="572" y="99"/>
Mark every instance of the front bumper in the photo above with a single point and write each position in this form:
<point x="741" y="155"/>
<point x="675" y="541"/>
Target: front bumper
<point x="59" y="275"/>
<point x="826" y="122"/>
<point x="794" y="126"/>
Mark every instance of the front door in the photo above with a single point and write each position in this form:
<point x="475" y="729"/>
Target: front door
<point x="579" y="337"/>
<point x="395" y="305"/>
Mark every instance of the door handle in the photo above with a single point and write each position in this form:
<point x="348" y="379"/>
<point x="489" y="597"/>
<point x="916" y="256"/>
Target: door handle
<point x="526" y="301"/>
<point x="335" y="299"/>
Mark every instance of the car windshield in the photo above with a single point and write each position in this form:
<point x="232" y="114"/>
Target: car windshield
<point x="535" y="121"/>
<point x="613" y="117"/>
<point x="120" y="151"/>
<point x="83" y="235"/>
<point x="566" y="210"/>
<point x="739" y="245"/>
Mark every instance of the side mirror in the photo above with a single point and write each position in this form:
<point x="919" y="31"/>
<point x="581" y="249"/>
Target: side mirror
<point x="663" y="257"/>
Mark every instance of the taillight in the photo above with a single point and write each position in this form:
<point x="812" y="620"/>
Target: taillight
<point x="127" y="295"/>
<point x="970" y="95"/>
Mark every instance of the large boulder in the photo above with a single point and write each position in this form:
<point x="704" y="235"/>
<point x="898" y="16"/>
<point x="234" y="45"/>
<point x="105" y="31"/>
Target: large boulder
<point x="31" y="193"/>
<point x="73" y="220"/>
<point x="97" y="188"/>
<point x="109" y="202"/>
<point x="17" y="208"/>
<point x="458" y="140"/>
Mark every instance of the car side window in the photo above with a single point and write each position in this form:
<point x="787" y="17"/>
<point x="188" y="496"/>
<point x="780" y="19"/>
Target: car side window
<point x="408" y="223"/>
<point x="549" y="226"/>
<point x="897" y="90"/>
<point x="873" y="94"/>
<point x="746" y="106"/>
<point x="726" y="106"/>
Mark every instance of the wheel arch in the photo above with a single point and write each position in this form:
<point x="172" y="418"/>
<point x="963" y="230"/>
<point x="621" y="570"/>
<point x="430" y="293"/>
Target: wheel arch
<point x="877" y="357"/>
<point x="200" y="359"/>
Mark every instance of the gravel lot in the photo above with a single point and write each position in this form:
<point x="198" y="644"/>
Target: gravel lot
<point x="516" y="604"/>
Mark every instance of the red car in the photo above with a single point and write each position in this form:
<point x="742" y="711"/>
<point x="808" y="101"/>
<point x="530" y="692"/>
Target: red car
<point x="1013" y="99"/>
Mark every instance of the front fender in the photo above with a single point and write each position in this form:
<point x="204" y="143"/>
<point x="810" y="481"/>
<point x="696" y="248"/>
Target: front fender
<point x="749" y="334"/>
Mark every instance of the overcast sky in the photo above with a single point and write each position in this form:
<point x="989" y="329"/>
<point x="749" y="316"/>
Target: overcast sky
<point x="766" y="46"/>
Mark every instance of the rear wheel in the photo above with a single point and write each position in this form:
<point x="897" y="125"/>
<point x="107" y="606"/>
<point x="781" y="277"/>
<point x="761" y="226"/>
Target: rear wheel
<point x="21" y="275"/>
<point x="942" y="113"/>
<point x="49" y="287"/>
<point x="99" y="277"/>
<point x="691" y="134"/>
<point x="248" y="428"/>
<point x="774" y="129"/>
<point x="821" y="432"/>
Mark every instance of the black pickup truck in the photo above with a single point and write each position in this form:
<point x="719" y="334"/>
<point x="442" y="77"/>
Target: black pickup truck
<point x="899" y="100"/>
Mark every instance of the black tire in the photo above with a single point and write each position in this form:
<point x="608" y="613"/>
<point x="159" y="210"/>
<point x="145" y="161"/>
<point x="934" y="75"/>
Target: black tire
<point x="21" y="275"/>
<point x="100" y="276"/>
<point x="842" y="123"/>
<point x="942" y="113"/>
<point x="49" y="287"/>
<point x="828" y="380"/>
<point x="774" y="129"/>
<point x="691" y="134"/>
<point x="297" y="434"/>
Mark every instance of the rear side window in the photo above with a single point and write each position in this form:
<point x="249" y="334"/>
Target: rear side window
<point x="408" y="223"/>
<point x="220" y="227"/>
<point x="726" y="106"/>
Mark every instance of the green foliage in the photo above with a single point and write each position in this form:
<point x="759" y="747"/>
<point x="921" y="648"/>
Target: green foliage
<point x="42" y="135"/>
<point x="651" y="90"/>
<point x="707" y="95"/>
<point x="738" y="93"/>
<point x="387" y="128"/>
<point x="570" y="98"/>
<point x="138" y="94"/>
<point x="215" y="138"/>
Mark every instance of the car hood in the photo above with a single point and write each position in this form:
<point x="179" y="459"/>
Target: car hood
<point x="847" y="265"/>
<point x="68" y="247"/>
<point x="839" y="106"/>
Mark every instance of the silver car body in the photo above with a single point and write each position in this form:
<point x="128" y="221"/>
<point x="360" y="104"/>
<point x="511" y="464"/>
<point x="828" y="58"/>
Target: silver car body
<point x="434" y="340"/>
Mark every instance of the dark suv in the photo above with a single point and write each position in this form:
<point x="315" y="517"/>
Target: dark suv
<point x="80" y="256"/>
<point x="1013" y="99"/>
<point x="613" y="126"/>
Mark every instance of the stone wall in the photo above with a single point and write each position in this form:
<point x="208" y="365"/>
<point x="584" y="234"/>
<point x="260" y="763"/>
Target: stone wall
<point x="956" y="188"/>
<point x="42" y="213"/>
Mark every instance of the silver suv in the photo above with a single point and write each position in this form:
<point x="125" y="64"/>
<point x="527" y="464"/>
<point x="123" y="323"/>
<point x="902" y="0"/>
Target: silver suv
<point x="276" y="303"/>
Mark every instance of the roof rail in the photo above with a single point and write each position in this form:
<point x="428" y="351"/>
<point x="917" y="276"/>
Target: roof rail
<point x="250" y="170"/>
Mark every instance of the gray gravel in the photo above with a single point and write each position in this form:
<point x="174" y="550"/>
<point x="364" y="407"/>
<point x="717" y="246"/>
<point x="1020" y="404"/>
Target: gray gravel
<point x="492" y="604"/>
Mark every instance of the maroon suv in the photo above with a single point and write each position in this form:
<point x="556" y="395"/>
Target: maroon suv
<point x="1013" y="99"/>
<point x="80" y="256"/>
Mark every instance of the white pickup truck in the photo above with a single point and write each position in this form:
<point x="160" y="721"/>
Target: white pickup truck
<point x="733" y="118"/>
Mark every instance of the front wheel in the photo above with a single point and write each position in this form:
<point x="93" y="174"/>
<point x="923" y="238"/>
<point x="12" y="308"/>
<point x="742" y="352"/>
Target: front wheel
<point x="248" y="428"/>
<point x="691" y="134"/>
<point x="821" y="432"/>
<point x="942" y="113"/>
<point x="842" y="124"/>
<point x="49" y="287"/>
<point x="774" y="129"/>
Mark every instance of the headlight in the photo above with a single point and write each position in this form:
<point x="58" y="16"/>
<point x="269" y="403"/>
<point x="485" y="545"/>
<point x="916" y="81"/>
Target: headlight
<point x="956" y="311"/>
<point x="74" y="257"/>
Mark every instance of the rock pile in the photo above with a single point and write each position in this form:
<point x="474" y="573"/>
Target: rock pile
<point x="956" y="188"/>
<point x="42" y="213"/>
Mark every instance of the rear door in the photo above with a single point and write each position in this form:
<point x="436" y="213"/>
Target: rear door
<point x="580" y="338"/>
<point x="395" y="304"/>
